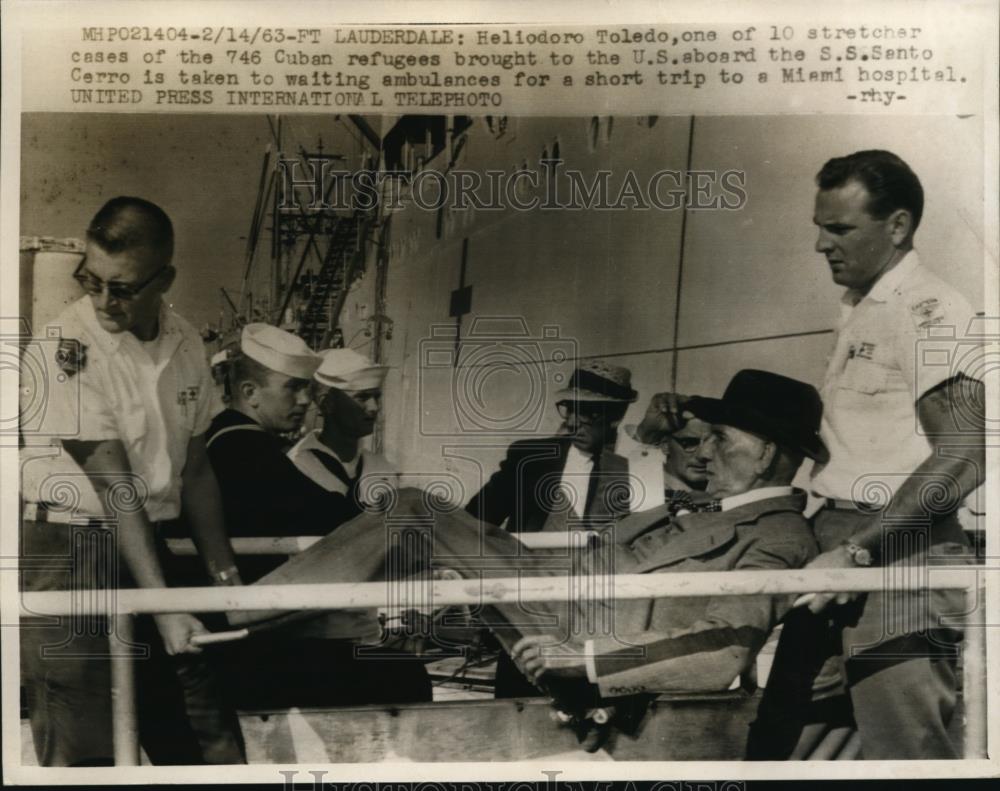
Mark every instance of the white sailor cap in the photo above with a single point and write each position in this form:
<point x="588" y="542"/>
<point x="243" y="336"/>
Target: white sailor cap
<point x="278" y="350"/>
<point x="345" y="369"/>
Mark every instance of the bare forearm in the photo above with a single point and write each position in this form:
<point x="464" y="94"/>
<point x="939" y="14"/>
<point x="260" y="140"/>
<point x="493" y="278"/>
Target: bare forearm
<point x="936" y="488"/>
<point x="106" y="464"/>
<point x="951" y="417"/>
<point x="137" y="549"/>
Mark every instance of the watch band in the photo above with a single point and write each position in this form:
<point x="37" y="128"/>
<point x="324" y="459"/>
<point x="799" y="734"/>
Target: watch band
<point x="858" y="554"/>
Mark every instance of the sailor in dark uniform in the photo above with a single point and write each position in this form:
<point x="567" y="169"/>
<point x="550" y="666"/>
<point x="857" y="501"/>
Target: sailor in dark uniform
<point x="265" y="494"/>
<point x="348" y="390"/>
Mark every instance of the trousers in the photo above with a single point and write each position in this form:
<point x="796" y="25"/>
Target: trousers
<point x="283" y="668"/>
<point x="416" y="537"/>
<point x="886" y="661"/>
<point x="66" y="670"/>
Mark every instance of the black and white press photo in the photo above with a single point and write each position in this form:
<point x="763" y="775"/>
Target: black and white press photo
<point x="525" y="396"/>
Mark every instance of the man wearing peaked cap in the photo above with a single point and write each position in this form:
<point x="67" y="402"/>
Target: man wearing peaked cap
<point x="656" y="645"/>
<point x="348" y="390"/>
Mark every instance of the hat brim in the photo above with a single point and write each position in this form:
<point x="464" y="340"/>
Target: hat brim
<point x="581" y="394"/>
<point x="371" y="378"/>
<point x="715" y="410"/>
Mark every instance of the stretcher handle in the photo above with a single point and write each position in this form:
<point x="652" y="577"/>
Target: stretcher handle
<point x="219" y="637"/>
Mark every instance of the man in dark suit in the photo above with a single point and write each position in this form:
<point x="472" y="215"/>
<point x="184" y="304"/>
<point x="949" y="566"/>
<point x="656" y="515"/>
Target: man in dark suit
<point x="571" y="480"/>
<point x="762" y="429"/>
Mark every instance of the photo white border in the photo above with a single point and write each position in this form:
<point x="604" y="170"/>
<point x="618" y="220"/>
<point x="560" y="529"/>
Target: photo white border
<point x="18" y="16"/>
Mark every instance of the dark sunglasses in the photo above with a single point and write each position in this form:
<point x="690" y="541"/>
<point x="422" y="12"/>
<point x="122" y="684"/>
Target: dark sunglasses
<point x="586" y="415"/>
<point x="124" y="292"/>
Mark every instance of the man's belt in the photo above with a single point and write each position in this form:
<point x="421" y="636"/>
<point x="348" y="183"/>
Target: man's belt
<point x="841" y="505"/>
<point x="41" y="512"/>
<point x="849" y="505"/>
<point x="837" y="504"/>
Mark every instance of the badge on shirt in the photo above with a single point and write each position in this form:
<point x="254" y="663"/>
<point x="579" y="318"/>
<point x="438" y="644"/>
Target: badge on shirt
<point x="187" y="395"/>
<point x="927" y="312"/>
<point x="71" y="356"/>
<point x="862" y="350"/>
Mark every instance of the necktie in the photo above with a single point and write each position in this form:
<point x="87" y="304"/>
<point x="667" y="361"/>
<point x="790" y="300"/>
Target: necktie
<point x="576" y="482"/>
<point x="592" y="486"/>
<point x="681" y="500"/>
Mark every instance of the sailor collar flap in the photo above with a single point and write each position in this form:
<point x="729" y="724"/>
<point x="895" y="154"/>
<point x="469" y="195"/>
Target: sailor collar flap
<point x="697" y="534"/>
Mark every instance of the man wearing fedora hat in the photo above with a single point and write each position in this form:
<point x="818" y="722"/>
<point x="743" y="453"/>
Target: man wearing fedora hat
<point x="766" y="425"/>
<point x="573" y="479"/>
<point x="760" y="431"/>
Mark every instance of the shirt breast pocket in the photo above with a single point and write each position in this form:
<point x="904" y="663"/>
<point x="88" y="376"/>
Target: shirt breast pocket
<point x="865" y="376"/>
<point x="188" y="415"/>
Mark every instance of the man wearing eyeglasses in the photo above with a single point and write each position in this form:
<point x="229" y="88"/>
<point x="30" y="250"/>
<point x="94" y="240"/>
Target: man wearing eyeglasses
<point x="584" y="651"/>
<point x="573" y="479"/>
<point x="569" y="481"/>
<point x="132" y="391"/>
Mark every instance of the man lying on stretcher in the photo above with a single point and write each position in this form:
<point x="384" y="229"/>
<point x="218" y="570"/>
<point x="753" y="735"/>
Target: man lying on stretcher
<point x="762" y="428"/>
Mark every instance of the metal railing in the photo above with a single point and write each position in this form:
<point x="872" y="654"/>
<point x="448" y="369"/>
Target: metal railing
<point x="331" y="596"/>
<point x="291" y="545"/>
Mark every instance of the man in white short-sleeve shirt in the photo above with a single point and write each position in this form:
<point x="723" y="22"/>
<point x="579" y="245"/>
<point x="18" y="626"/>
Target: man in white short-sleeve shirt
<point x="903" y="419"/>
<point x="893" y="346"/>
<point x="133" y="397"/>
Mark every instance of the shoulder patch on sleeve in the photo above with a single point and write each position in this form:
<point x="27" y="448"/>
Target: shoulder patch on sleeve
<point x="71" y="356"/>
<point x="927" y="312"/>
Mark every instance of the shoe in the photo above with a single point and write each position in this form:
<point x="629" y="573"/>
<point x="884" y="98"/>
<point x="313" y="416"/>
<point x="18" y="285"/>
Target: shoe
<point x="577" y="704"/>
<point x="593" y="727"/>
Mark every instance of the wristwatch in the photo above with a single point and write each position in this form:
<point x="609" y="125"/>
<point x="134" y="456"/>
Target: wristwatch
<point x="858" y="554"/>
<point x="223" y="577"/>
